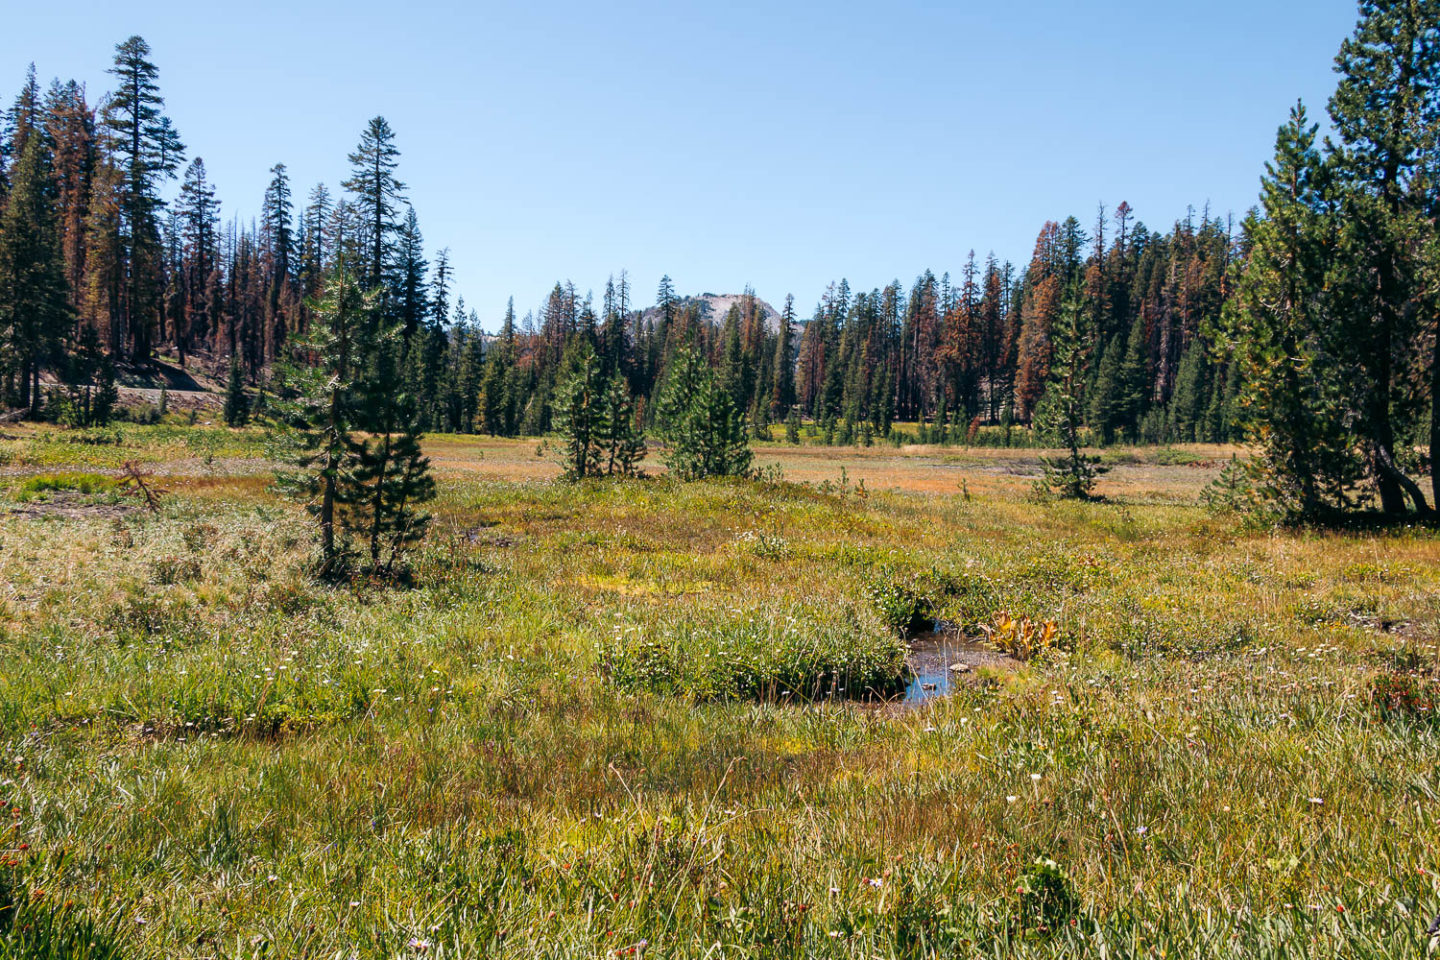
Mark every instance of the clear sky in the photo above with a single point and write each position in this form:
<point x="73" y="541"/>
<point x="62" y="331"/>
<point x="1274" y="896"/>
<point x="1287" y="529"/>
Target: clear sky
<point x="780" y="143"/>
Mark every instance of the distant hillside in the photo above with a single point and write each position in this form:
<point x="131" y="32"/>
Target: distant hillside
<point x="716" y="305"/>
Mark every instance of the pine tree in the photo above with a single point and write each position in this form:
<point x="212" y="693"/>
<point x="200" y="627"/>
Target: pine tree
<point x="622" y="444"/>
<point x="497" y="394"/>
<point x="315" y="422"/>
<point x="882" y="403"/>
<point x="494" y="401"/>
<point x="70" y="124"/>
<point x="278" y="244"/>
<point x="237" y="401"/>
<point x="314" y="245"/>
<point x="613" y="340"/>
<point x="1387" y="125"/>
<point x="1187" y="407"/>
<point x="378" y="196"/>
<point x="782" y="398"/>
<point x="80" y="371"/>
<point x="147" y="152"/>
<point x="580" y="415"/>
<point x="1107" y="397"/>
<point x="391" y="476"/>
<point x="1060" y="415"/>
<point x="665" y="304"/>
<point x="683" y="379"/>
<point x="707" y="431"/>
<point x="199" y="213"/>
<point x="34" y="299"/>
<point x="1130" y="406"/>
<point x="1038" y="314"/>
<point x="411" y="286"/>
<point x="24" y="121"/>
<point x="107" y="394"/>
<point x="1291" y="398"/>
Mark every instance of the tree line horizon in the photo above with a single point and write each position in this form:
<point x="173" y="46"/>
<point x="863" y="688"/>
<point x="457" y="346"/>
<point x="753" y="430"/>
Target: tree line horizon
<point x="1315" y="341"/>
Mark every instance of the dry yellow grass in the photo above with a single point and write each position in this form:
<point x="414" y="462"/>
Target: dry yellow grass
<point x="1136" y="472"/>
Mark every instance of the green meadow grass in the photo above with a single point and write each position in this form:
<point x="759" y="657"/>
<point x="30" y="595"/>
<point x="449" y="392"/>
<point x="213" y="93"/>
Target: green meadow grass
<point x="592" y="729"/>
<point x="40" y="486"/>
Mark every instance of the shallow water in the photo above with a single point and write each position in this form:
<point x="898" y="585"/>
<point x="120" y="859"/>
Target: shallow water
<point x="932" y="656"/>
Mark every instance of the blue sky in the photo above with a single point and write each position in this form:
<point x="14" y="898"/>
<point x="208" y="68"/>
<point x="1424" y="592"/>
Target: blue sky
<point x="783" y="143"/>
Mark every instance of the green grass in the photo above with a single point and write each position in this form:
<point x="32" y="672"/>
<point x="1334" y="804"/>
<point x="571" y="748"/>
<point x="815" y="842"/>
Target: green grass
<point x="35" y="926"/>
<point x="574" y="735"/>
<point x="110" y="448"/>
<point x="40" y="486"/>
<point x="789" y="653"/>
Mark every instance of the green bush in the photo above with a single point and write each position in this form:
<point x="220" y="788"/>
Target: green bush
<point x="144" y="414"/>
<point x="899" y="605"/>
<point x="1170" y="457"/>
<point x="1047" y="895"/>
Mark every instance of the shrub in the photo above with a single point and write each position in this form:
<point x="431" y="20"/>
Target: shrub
<point x="145" y="414"/>
<point x="1233" y="491"/>
<point x="1171" y="457"/>
<point x="899" y="605"/>
<point x="1047" y="895"/>
<point x="1022" y="639"/>
<point x="173" y="570"/>
<point x="1403" y="696"/>
<point x="766" y="546"/>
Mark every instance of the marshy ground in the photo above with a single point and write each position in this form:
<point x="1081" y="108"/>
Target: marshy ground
<point x="583" y="731"/>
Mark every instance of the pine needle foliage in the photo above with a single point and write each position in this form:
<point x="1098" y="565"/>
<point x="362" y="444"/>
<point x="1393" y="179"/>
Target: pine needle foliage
<point x="237" y="403"/>
<point x="595" y="418"/>
<point x="1060" y="416"/>
<point x="349" y="437"/>
<point x="707" y="432"/>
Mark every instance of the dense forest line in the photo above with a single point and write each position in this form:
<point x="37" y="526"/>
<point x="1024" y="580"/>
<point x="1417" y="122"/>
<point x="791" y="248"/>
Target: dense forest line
<point x="1309" y="327"/>
<point x="125" y="276"/>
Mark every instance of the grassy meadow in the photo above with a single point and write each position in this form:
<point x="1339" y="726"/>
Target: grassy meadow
<point x="627" y="719"/>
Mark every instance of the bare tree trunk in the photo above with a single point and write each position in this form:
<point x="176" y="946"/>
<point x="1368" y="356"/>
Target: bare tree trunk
<point x="327" y="519"/>
<point x="378" y="504"/>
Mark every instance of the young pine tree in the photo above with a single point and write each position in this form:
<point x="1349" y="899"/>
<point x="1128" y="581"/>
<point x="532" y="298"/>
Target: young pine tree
<point x="1060" y="413"/>
<point x="579" y="415"/>
<point x="792" y="426"/>
<point x="107" y="394"/>
<point x="313" y="436"/>
<point x="707" y="431"/>
<point x="90" y="393"/>
<point x="391" y="477"/>
<point x="237" y="402"/>
<point x="622" y="444"/>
